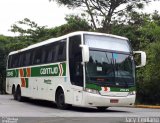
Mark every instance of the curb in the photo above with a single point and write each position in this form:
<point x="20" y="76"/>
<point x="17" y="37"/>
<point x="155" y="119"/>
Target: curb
<point x="147" y="106"/>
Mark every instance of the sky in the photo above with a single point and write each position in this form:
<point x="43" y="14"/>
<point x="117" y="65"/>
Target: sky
<point x="43" y="12"/>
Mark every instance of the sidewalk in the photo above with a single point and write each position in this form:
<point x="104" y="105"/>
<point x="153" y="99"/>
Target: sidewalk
<point x="147" y="106"/>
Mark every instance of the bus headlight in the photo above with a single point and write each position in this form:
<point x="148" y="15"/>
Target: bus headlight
<point x="132" y="93"/>
<point x="92" y="91"/>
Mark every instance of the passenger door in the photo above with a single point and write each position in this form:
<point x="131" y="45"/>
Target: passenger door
<point x="76" y="68"/>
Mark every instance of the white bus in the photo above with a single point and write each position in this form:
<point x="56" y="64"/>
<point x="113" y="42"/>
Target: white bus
<point x="81" y="68"/>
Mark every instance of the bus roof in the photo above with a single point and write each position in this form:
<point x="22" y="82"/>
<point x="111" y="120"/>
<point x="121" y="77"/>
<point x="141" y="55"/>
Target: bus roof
<point x="63" y="37"/>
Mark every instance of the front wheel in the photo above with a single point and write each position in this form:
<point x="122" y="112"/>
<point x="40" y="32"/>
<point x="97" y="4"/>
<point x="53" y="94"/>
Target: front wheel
<point x="60" y="100"/>
<point x="101" y="108"/>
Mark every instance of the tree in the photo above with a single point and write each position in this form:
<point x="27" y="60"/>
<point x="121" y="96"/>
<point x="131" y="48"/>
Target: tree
<point x="104" y="12"/>
<point x="148" y="78"/>
<point x="29" y="31"/>
<point x="2" y="69"/>
<point x="143" y="30"/>
<point x="156" y="17"/>
<point x="132" y="29"/>
<point x="3" y="55"/>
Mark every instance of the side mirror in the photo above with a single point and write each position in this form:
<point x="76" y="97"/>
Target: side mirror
<point x="142" y="58"/>
<point x="85" y="53"/>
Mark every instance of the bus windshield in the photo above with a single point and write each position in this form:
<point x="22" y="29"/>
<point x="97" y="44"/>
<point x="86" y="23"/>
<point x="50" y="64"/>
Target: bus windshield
<point x="110" y="62"/>
<point x="110" y="69"/>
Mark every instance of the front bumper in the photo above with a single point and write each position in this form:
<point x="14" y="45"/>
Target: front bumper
<point x="95" y="100"/>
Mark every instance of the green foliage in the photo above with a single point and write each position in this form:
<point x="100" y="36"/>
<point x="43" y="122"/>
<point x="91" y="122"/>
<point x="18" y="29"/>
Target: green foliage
<point x="143" y="30"/>
<point x="150" y="75"/>
<point x="29" y="31"/>
<point x="3" y="55"/>
<point x="148" y="78"/>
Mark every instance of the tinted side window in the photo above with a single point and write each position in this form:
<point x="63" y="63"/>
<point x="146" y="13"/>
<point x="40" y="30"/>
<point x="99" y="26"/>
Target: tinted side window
<point x="37" y="57"/>
<point x="61" y="56"/>
<point x="48" y="54"/>
<point x="21" y="59"/>
<point x="54" y="52"/>
<point x="26" y="59"/>
<point x="44" y="54"/>
<point x="15" y="61"/>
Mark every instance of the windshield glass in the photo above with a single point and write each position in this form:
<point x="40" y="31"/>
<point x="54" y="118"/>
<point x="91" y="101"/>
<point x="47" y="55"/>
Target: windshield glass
<point x="106" y="68"/>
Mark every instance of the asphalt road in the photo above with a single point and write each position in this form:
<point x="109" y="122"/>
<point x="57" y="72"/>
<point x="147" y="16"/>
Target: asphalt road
<point x="38" y="111"/>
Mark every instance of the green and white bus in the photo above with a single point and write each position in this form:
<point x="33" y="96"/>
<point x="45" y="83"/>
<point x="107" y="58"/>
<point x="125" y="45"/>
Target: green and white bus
<point x="81" y="68"/>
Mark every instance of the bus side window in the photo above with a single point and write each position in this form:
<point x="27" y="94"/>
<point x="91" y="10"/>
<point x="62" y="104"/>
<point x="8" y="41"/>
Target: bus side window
<point x="62" y="51"/>
<point x="75" y="59"/>
<point x="53" y="52"/>
<point x="15" y="61"/>
<point x="26" y="59"/>
<point x="49" y="53"/>
<point x="45" y="54"/>
<point x="37" y="56"/>
<point x="21" y="64"/>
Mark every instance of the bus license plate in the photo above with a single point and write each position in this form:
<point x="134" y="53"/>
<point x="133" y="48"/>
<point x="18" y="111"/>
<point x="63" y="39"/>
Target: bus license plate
<point x="114" y="101"/>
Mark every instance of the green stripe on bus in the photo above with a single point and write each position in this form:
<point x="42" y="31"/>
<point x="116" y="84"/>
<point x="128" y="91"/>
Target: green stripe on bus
<point x="51" y="70"/>
<point x="40" y="71"/>
<point x="12" y="73"/>
<point x="64" y="69"/>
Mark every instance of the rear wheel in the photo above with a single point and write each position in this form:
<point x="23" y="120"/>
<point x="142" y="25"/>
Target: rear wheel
<point x="101" y="108"/>
<point x="60" y="99"/>
<point x="18" y="95"/>
<point x="14" y="93"/>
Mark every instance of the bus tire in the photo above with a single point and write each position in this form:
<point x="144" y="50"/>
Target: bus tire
<point x="14" y="93"/>
<point x="18" y="94"/>
<point x="60" y="99"/>
<point x="101" y="108"/>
